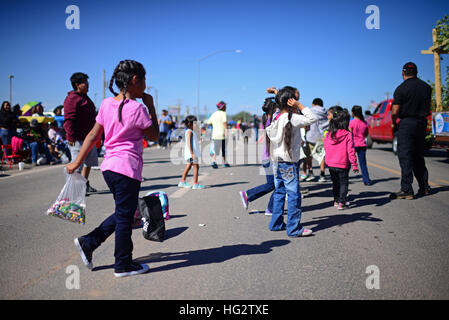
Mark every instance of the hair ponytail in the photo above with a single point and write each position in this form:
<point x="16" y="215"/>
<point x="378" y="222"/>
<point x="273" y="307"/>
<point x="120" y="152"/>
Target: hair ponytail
<point x="122" y="75"/>
<point x="288" y="133"/>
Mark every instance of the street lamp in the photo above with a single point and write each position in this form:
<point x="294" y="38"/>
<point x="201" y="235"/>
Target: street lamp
<point x="10" y="88"/>
<point x="198" y="83"/>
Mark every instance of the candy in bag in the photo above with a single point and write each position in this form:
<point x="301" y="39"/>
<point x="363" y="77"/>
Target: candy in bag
<point x="71" y="201"/>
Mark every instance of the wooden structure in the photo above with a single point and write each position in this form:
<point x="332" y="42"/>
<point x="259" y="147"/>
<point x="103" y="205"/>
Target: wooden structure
<point x="436" y="49"/>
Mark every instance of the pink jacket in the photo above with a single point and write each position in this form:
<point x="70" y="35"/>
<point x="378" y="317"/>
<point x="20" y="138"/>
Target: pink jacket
<point x="340" y="151"/>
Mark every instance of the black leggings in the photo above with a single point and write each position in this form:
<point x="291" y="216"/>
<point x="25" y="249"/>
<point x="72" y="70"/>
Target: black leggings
<point x="340" y="181"/>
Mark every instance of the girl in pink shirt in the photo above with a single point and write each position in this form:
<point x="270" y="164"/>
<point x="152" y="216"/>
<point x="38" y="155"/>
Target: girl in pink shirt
<point x="340" y="154"/>
<point x="359" y="129"/>
<point x="124" y="122"/>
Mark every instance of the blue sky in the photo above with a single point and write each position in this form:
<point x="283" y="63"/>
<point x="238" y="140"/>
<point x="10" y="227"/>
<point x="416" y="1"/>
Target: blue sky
<point x="321" y="47"/>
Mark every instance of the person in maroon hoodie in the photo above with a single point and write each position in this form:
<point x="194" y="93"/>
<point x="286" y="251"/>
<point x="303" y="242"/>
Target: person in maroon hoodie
<point x="340" y="154"/>
<point x="79" y="119"/>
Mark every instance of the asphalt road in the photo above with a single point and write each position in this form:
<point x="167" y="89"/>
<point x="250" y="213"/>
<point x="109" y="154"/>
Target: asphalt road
<point x="214" y="249"/>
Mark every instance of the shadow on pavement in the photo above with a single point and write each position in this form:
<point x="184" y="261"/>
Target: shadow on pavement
<point x="208" y="256"/>
<point x="226" y="184"/>
<point x="326" y="222"/>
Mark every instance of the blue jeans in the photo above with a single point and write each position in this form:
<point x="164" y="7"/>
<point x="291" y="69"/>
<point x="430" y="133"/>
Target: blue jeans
<point x="263" y="189"/>
<point x="361" y="154"/>
<point x="286" y="181"/>
<point x="126" y="193"/>
<point x="37" y="147"/>
<point x="6" y="135"/>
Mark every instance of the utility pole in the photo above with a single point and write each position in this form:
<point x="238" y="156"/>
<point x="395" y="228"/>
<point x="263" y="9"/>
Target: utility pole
<point x="104" y="84"/>
<point x="387" y="94"/>
<point x="436" y="49"/>
<point x="10" y="88"/>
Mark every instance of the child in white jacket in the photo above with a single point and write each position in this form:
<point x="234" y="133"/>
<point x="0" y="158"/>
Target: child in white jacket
<point x="285" y="141"/>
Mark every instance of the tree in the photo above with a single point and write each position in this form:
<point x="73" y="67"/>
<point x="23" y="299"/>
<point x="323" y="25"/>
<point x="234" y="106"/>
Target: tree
<point x="442" y="27"/>
<point x="242" y="116"/>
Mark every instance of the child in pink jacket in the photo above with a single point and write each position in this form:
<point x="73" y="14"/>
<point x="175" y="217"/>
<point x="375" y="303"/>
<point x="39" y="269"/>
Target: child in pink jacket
<point x="340" y="154"/>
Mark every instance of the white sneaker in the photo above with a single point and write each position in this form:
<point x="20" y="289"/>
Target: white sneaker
<point x="305" y="233"/>
<point x="322" y="179"/>
<point x="310" y="178"/>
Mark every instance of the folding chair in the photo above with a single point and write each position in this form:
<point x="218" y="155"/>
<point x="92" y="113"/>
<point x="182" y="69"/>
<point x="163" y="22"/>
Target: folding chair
<point x="9" y="157"/>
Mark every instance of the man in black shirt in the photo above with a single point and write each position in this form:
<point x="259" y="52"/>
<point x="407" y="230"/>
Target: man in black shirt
<point x="411" y="105"/>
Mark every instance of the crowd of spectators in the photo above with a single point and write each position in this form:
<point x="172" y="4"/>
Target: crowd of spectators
<point x="37" y="140"/>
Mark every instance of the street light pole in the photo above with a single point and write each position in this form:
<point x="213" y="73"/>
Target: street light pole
<point x="198" y="79"/>
<point x="10" y="88"/>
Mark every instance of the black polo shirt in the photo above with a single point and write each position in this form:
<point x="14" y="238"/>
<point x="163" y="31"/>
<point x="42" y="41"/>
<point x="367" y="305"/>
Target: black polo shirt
<point x="413" y="96"/>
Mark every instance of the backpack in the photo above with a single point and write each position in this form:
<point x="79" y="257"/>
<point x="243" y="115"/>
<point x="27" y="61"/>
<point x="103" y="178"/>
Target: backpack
<point x="153" y="209"/>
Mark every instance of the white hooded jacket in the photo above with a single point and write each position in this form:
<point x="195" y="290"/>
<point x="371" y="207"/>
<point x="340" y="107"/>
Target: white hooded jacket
<point x="275" y="133"/>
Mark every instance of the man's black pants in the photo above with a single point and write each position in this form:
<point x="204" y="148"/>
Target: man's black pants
<point x="411" y="137"/>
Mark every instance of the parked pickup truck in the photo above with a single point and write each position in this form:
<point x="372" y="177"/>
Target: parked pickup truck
<point x="380" y="130"/>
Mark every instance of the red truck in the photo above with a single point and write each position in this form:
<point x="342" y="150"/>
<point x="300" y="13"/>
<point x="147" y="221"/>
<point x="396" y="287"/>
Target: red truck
<point x="380" y="130"/>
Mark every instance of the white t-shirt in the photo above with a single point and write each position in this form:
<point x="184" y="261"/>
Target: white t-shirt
<point x="218" y="120"/>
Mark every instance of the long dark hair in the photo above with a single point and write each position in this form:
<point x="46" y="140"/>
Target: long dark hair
<point x="340" y="120"/>
<point x="122" y="75"/>
<point x="269" y="107"/>
<point x="282" y="98"/>
<point x="357" y="111"/>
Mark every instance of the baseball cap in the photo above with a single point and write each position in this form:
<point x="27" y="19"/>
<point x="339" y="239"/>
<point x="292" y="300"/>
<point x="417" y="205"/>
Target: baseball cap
<point x="221" y="104"/>
<point x="410" y="66"/>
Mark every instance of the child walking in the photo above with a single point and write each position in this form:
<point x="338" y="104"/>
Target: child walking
<point x="340" y="154"/>
<point x="359" y="129"/>
<point x="191" y="154"/>
<point x="124" y="122"/>
<point x="285" y="137"/>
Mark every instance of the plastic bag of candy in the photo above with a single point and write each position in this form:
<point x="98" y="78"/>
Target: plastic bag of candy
<point x="71" y="202"/>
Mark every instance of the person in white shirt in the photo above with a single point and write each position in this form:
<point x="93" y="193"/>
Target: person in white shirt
<point x="285" y="142"/>
<point x="219" y="122"/>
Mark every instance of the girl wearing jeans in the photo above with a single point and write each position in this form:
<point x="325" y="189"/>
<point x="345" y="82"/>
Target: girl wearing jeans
<point x="285" y="137"/>
<point x="340" y="154"/>
<point x="124" y="122"/>
<point x="255" y="193"/>
<point x="359" y="129"/>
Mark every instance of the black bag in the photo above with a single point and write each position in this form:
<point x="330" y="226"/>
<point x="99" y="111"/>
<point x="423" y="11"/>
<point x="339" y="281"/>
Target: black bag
<point x="152" y="217"/>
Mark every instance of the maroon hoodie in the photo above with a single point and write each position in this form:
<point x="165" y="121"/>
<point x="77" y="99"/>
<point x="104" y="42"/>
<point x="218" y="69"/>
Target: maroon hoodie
<point x="340" y="151"/>
<point x="79" y="116"/>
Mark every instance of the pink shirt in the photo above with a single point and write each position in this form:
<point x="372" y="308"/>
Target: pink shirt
<point x="123" y="141"/>
<point x="359" y="129"/>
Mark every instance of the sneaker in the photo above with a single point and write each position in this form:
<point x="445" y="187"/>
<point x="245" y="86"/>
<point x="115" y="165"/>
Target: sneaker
<point x="341" y="206"/>
<point x="335" y="204"/>
<point x="214" y="165"/>
<point x="322" y="179"/>
<point x="305" y="232"/>
<point x="425" y="192"/>
<point x="244" y="199"/>
<point x="184" y="184"/>
<point x="198" y="186"/>
<point x="226" y="165"/>
<point x="402" y="195"/>
<point x="369" y="183"/>
<point x="303" y="177"/>
<point x="132" y="270"/>
<point x="86" y="255"/>
<point x="310" y="178"/>
<point x="268" y="213"/>
<point x="89" y="189"/>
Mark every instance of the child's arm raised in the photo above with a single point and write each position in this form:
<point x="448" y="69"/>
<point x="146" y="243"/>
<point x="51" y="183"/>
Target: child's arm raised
<point x="152" y="131"/>
<point x="91" y="139"/>
<point x="304" y="120"/>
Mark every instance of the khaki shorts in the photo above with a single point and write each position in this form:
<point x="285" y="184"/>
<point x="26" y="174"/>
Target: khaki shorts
<point x="91" y="159"/>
